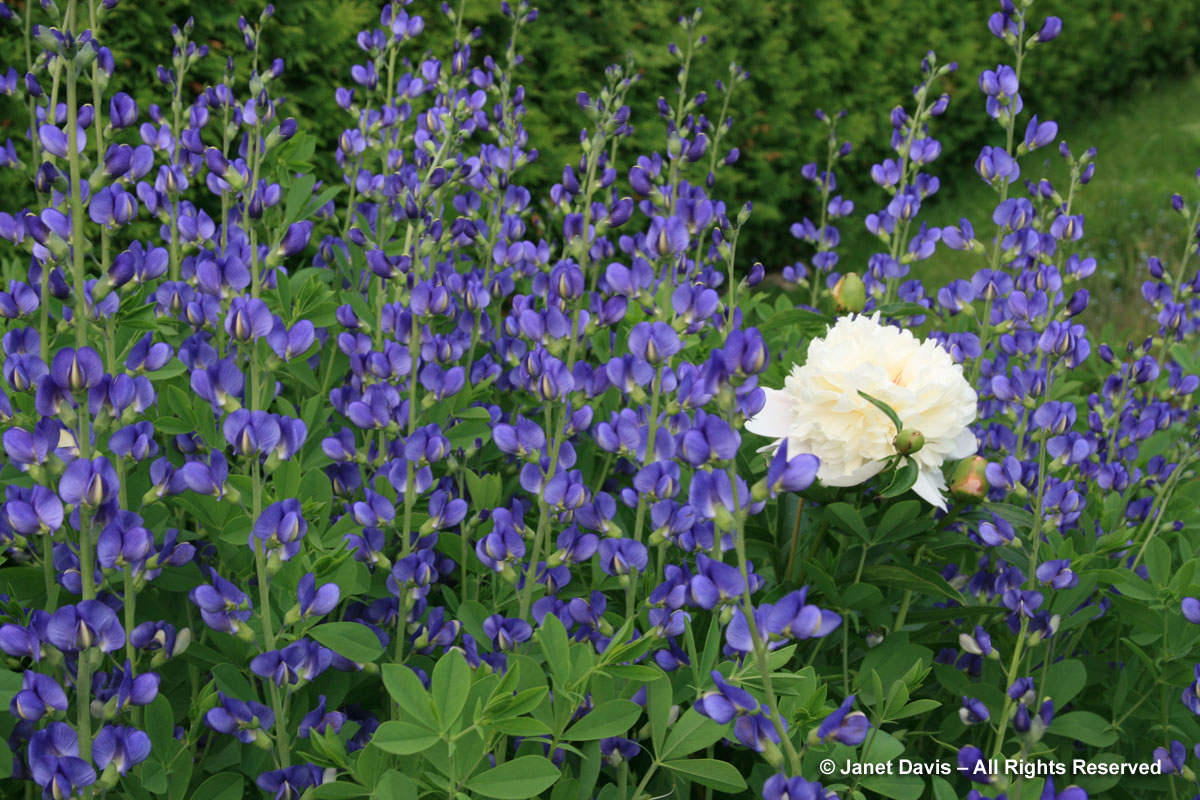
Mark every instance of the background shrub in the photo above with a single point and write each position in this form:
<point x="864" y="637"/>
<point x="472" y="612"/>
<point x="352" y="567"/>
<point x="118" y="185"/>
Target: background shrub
<point x="832" y="54"/>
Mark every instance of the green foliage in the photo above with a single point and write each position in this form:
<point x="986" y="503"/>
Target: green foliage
<point x="856" y="54"/>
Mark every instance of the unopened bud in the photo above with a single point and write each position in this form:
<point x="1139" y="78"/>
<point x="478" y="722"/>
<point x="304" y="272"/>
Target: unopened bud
<point x="909" y="442"/>
<point x="967" y="481"/>
<point x="850" y="293"/>
<point x="772" y="754"/>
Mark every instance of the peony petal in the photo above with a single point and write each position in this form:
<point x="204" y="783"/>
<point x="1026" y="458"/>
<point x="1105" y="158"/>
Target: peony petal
<point x="852" y="478"/>
<point x="775" y="419"/>
<point x="929" y="487"/>
<point x="965" y="445"/>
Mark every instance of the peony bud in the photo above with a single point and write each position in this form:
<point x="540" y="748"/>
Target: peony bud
<point x="967" y="481"/>
<point x="908" y="442"/>
<point x="849" y="293"/>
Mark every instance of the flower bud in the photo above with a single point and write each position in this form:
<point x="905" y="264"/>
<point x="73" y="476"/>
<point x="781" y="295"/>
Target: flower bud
<point x="908" y="442"/>
<point x="849" y="293"/>
<point x="109" y="777"/>
<point x="772" y="755"/>
<point x="755" y="276"/>
<point x="967" y="481"/>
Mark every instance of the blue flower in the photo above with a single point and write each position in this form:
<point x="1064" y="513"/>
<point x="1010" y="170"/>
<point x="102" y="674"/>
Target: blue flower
<point x="845" y="726"/>
<point x="120" y="746"/>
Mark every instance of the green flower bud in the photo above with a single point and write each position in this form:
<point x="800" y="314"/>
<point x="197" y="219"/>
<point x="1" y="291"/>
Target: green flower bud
<point x="968" y="481"/>
<point x="909" y="442"/>
<point x="850" y="293"/>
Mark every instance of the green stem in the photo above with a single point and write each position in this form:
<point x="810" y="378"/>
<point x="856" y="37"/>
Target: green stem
<point x="1018" y="648"/>
<point x="574" y="335"/>
<point x="255" y="161"/>
<point x="760" y="647"/>
<point x="822" y="242"/>
<point x="651" y="432"/>
<point x="791" y="563"/>
<point x="902" y="614"/>
<point x="543" y="522"/>
<point x="637" y="793"/>
<point x="83" y="710"/>
<point x="732" y="282"/>
<point x="130" y="603"/>
<point x="83" y="683"/>
<point x="1168" y="491"/>
<point x="1009" y="676"/>
<point x="282" y="754"/>
<point x="48" y="564"/>
<point x="77" y="236"/>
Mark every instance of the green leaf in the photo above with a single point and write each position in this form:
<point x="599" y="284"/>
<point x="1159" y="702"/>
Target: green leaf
<point x="232" y="681"/>
<point x="810" y="323"/>
<point x="173" y="426"/>
<point x="350" y="639"/>
<point x="898" y="787"/>
<point x="339" y="789"/>
<point x="589" y="771"/>
<point x="885" y="408"/>
<point x="523" y="702"/>
<point x="169" y="370"/>
<point x="464" y="433"/>
<point x="484" y="490"/>
<point x="1158" y="562"/>
<point x="449" y="685"/>
<point x="1019" y="518"/>
<point x="861" y="596"/>
<point x="1084" y="726"/>
<point x="180" y="404"/>
<point x="154" y="778"/>
<point x="519" y="779"/>
<point x="658" y="708"/>
<point x="287" y="479"/>
<point x="896" y="515"/>
<point x="690" y="733"/>
<point x="850" y="518"/>
<point x="913" y="578"/>
<point x="521" y="726"/>
<point x="395" y="785"/>
<point x="324" y="197"/>
<point x="223" y="786"/>
<point x="607" y="719"/>
<point x="898" y="310"/>
<point x="406" y="689"/>
<point x="720" y="775"/>
<point x="903" y="479"/>
<point x="555" y="647"/>
<point x="298" y="193"/>
<point x="884" y="748"/>
<point x="180" y="776"/>
<point x="942" y="790"/>
<point x="915" y="707"/>
<point x="404" y="738"/>
<point x="1066" y="679"/>
<point x="160" y="725"/>
<point x="638" y="673"/>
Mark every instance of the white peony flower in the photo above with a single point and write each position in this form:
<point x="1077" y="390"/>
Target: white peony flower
<point x="820" y="411"/>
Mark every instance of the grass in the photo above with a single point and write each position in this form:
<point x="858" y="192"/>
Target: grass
<point x="1148" y="147"/>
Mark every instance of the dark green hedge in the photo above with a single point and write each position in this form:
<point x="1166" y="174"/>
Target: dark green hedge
<point x="861" y="55"/>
